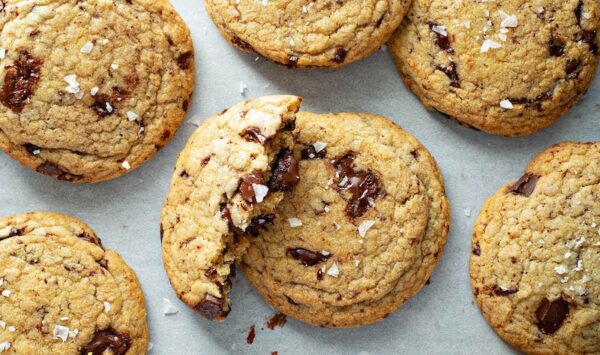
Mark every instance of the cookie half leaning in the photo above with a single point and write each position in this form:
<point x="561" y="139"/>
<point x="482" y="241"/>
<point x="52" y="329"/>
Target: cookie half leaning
<point x="228" y="179"/>
<point x="308" y="33"/>
<point x="91" y="89"/>
<point x="510" y="68"/>
<point x="535" y="267"/>
<point x="62" y="293"/>
<point x="362" y="231"/>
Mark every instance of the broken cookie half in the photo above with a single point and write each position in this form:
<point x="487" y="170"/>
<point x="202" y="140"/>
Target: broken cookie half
<point x="228" y="180"/>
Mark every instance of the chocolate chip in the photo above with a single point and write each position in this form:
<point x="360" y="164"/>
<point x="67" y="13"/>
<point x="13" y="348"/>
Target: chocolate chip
<point x="320" y="274"/>
<point x="293" y="61"/>
<point x="20" y="81"/>
<point x="88" y="238"/>
<point x="310" y="152"/>
<point x="285" y="171"/>
<point x="259" y="222"/>
<point x="253" y="134"/>
<point x="451" y="73"/>
<point x="551" y="315"/>
<point x="53" y="170"/>
<point x="107" y="339"/>
<point x="364" y="186"/>
<point x="499" y="291"/>
<point x="578" y="12"/>
<point x="211" y="307"/>
<point x="442" y="41"/>
<point x="525" y="185"/>
<point x="340" y="55"/>
<point x="251" y="335"/>
<point x="573" y="68"/>
<point x="278" y="320"/>
<point x="307" y="257"/>
<point x="184" y="60"/>
<point x="241" y="44"/>
<point x="184" y="174"/>
<point x="477" y="249"/>
<point x="246" y="189"/>
<point x="556" y="46"/>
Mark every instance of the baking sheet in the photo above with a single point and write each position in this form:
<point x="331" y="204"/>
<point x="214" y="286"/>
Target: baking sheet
<point x="442" y="318"/>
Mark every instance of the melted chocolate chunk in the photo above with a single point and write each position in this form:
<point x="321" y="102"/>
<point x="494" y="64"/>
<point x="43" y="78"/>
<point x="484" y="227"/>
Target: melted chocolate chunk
<point x="499" y="291"/>
<point x="525" y="185"/>
<point x="442" y="41"/>
<point x="293" y="61"/>
<point x="20" y="81"/>
<point x="253" y="134"/>
<point x="451" y="73"/>
<point x="477" y="249"/>
<point x="251" y="335"/>
<point x="340" y="55"/>
<point x="246" y="189"/>
<point x="184" y="60"/>
<point x="278" y="320"/>
<point x="211" y="307"/>
<point x="573" y="68"/>
<point x="308" y="257"/>
<point x="310" y="153"/>
<point x="259" y="222"/>
<point x="53" y="170"/>
<point x="241" y="44"/>
<point x="31" y="148"/>
<point x="107" y="339"/>
<point x="364" y="186"/>
<point x="556" y="46"/>
<point x="285" y="171"/>
<point x="551" y="315"/>
<point x="578" y="12"/>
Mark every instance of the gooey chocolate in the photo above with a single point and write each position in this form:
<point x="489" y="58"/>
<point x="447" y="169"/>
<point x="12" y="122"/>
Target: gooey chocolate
<point x="551" y="314"/>
<point x="211" y="307"/>
<point x="20" y="81"/>
<point x="525" y="185"/>
<point x="364" y="186"/>
<point x="246" y="189"/>
<point x="285" y="172"/>
<point x="107" y="339"/>
<point x="308" y="257"/>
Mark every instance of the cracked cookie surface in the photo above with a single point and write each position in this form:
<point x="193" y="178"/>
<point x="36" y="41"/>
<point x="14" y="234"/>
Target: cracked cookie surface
<point x="299" y="33"/>
<point x="62" y="293"/>
<point x="535" y="263"/>
<point x="504" y="67"/>
<point x="233" y="171"/>
<point x="362" y="231"/>
<point x="89" y="90"/>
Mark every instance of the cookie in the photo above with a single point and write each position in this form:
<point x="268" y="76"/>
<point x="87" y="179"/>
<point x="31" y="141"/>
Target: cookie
<point x="91" y="89"/>
<point x="509" y="68"/>
<point x="535" y="266"/>
<point x="308" y="33"/>
<point x="233" y="171"/>
<point x="62" y="293"/>
<point x="362" y="231"/>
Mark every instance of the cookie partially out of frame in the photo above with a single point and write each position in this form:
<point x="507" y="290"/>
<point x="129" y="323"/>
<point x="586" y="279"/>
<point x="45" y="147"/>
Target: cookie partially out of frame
<point x="322" y="33"/>
<point x="504" y="67"/>
<point x="362" y="231"/>
<point x="536" y="254"/>
<point x="62" y="293"/>
<point x="233" y="171"/>
<point x="91" y="89"/>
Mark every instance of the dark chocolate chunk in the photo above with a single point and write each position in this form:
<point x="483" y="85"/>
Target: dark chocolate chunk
<point x="308" y="257"/>
<point x="20" y="81"/>
<point x="251" y="335"/>
<point x="442" y="41"/>
<point x="102" y="105"/>
<point x="31" y="148"/>
<point x="14" y="232"/>
<point x="499" y="291"/>
<point x="556" y="46"/>
<point x="88" y="238"/>
<point x="573" y="68"/>
<point x="525" y="185"/>
<point x="253" y="134"/>
<point x="278" y="320"/>
<point x="310" y="152"/>
<point x="578" y="12"/>
<point x="292" y="61"/>
<point x="285" y="171"/>
<point x="107" y="339"/>
<point x="340" y="55"/>
<point x="589" y="37"/>
<point x="184" y="60"/>
<point x="289" y="126"/>
<point x="551" y="315"/>
<point x="211" y="307"/>
<point x="259" y="222"/>
<point x="246" y="189"/>
<point x="320" y="274"/>
<point x="241" y="44"/>
<point x="477" y="249"/>
<point x="53" y="170"/>
<point x="364" y="186"/>
<point x="451" y="73"/>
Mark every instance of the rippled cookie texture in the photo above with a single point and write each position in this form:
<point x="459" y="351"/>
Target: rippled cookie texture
<point x="321" y="33"/>
<point x="228" y="179"/>
<point x="61" y="292"/>
<point x="536" y="254"/>
<point x="361" y="232"/>
<point x="504" y="67"/>
<point x="91" y="89"/>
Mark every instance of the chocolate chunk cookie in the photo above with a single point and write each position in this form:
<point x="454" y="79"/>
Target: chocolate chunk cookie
<point x="505" y="67"/>
<point x="62" y="293"/>
<point x="535" y="267"/>
<point x="91" y="89"/>
<point x="228" y="179"/>
<point x="362" y="231"/>
<point x="323" y="33"/>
